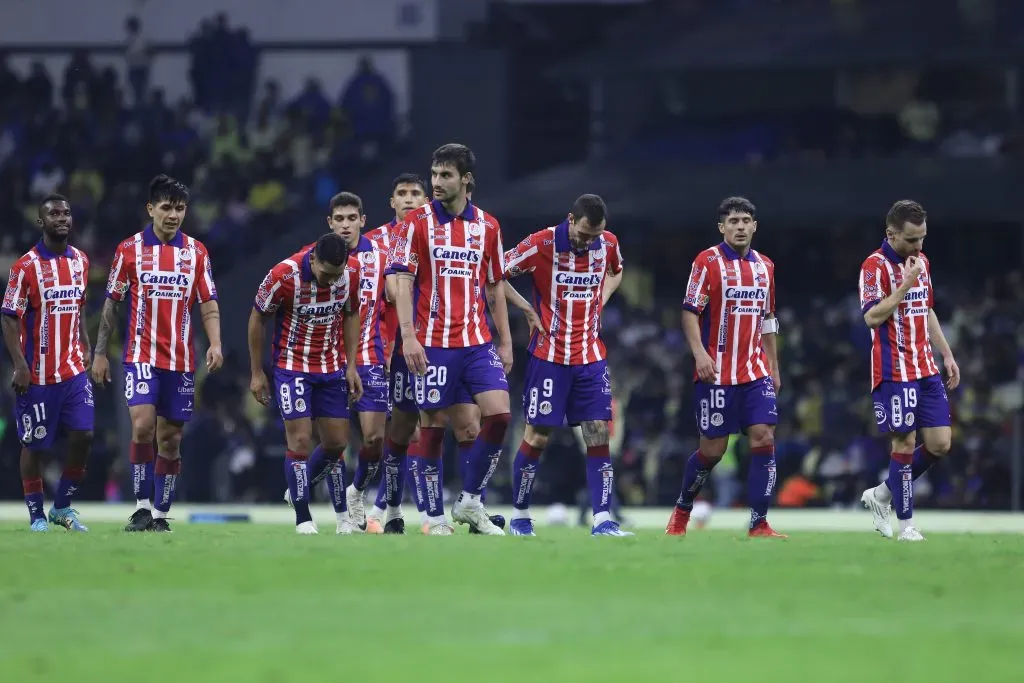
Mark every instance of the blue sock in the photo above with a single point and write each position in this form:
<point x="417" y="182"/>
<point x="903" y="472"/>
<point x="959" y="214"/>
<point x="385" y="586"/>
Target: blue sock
<point x="760" y="483"/>
<point x="141" y="457"/>
<point x="164" y="482"/>
<point x="486" y="452"/>
<point x="33" y="489"/>
<point x="319" y="464"/>
<point x="923" y="461"/>
<point x="412" y="472"/>
<point x="396" y="465"/>
<point x="430" y="470"/>
<point x="296" y="473"/>
<point x="901" y="483"/>
<point x="366" y="467"/>
<point x="524" y="471"/>
<point x="698" y="467"/>
<point x="600" y="479"/>
<point x="67" y="486"/>
<point x="465" y="458"/>
<point x="336" y="486"/>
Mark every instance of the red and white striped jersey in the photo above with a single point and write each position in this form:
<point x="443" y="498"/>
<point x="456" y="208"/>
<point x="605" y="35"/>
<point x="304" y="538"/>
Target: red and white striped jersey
<point x="901" y="348"/>
<point x="162" y="282"/>
<point x="568" y="287"/>
<point x="369" y="260"/>
<point x="389" y="315"/>
<point x="451" y="258"/>
<point x="309" y="317"/>
<point x="732" y="294"/>
<point x="46" y="292"/>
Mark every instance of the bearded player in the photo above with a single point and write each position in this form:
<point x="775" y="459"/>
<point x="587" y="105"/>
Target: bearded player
<point x="730" y="325"/>
<point x="313" y="298"/>
<point x="897" y="297"/>
<point x="450" y="252"/>
<point x="163" y="273"/>
<point x="44" y="332"/>
<point x="575" y="267"/>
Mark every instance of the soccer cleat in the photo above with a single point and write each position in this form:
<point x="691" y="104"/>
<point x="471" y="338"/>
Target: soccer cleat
<point x="160" y="524"/>
<point x="306" y="529"/>
<point x="39" y="525"/>
<point x="677" y="522"/>
<point x="344" y="527"/>
<point x="764" y="530"/>
<point x="67" y="518"/>
<point x="439" y="529"/>
<point x="288" y="498"/>
<point x="141" y="520"/>
<point x="496" y="520"/>
<point x="879" y="512"/>
<point x="375" y="521"/>
<point x="356" y="507"/>
<point x="395" y="526"/>
<point x="425" y="528"/>
<point x="910" y="534"/>
<point x="521" y="527"/>
<point x="473" y="513"/>
<point x="609" y="528"/>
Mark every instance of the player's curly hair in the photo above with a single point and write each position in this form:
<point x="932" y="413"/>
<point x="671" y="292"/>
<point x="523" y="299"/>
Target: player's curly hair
<point x="454" y="154"/>
<point x="738" y="205"/>
<point x="332" y="249"/>
<point x="905" y="211"/>
<point x="165" y="188"/>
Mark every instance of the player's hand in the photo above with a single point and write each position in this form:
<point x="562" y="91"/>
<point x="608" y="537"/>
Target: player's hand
<point x="912" y="269"/>
<point x="505" y="354"/>
<point x="100" y="370"/>
<point x="415" y="356"/>
<point x="260" y="388"/>
<point x="776" y="380"/>
<point x="533" y="320"/>
<point x="214" y="358"/>
<point x="707" y="371"/>
<point x="952" y="373"/>
<point x="21" y="378"/>
<point x="355" y="384"/>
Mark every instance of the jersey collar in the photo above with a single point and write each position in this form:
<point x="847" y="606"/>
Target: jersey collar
<point x="564" y="244"/>
<point x="150" y="239"/>
<point x="45" y="252"/>
<point x="363" y="245"/>
<point x="468" y="214"/>
<point x="731" y="254"/>
<point x="890" y="253"/>
<point x="305" y="269"/>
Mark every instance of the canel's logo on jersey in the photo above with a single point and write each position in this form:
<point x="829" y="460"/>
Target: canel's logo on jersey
<point x="588" y="280"/>
<point x="916" y="294"/>
<point x="746" y="293"/>
<point x="456" y="254"/>
<point x="175" y="279"/>
<point x="320" y="310"/>
<point x="63" y="293"/>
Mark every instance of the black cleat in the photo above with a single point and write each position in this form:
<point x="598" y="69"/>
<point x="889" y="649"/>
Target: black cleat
<point x="395" y="526"/>
<point x="161" y="524"/>
<point x="496" y="520"/>
<point x="141" y="520"/>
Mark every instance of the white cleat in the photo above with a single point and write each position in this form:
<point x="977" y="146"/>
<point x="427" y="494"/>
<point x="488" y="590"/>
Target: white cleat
<point x="475" y="514"/>
<point x="306" y="529"/>
<point x="440" y="529"/>
<point x="879" y="512"/>
<point x="910" y="534"/>
<point x="356" y="507"/>
<point x="288" y="498"/>
<point x="345" y="527"/>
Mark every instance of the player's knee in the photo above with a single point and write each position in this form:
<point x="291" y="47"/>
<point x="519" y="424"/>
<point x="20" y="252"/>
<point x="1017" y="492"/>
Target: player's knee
<point x="301" y="444"/>
<point x="905" y="443"/>
<point x="374" y="441"/>
<point x="536" y="437"/>
<point x="143" y="430"/>
<point x="939" y="445"/>
<point x="467" y="432"/>
<point x="169" y="445"/>
<point x="761" y="436"/>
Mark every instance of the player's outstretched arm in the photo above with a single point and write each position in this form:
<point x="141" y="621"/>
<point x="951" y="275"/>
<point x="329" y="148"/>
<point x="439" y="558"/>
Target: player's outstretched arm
<point x="498" y="307"/>
<point x="258" y="384"/>
<point x="939" y="339"/>
<point x="883" y="310"/>
<point x="520" y="302"/>
<point x="210" y="312"/>
<point x="100" y="363"/>
<point x="611" y="283"/>
<point x="12" y="340"/>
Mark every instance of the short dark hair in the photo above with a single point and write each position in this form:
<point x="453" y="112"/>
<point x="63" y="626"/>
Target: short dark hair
<point x="163" y="187"/>
<point x="332" y="249"/>
<point x="591" y="207"/>
<point x="471" y="185"/>
<point x="905" y="211"/>
<point x="737" y="204"/>
<point x="408" y="179"/>
<point x="454" y="154"/>
<point x="347" y="199"/>
<point x="52" y="197"/>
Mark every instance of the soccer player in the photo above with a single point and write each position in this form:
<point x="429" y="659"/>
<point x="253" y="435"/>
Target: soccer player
<point x="163" y="273"/>
<point x="729" y="322"/>
<point x="44" y="331"/>
<point x="575" y="267"/>
<point x="312" y="296"/>
<point x="897" y="297"/>
<point x="451" y="251"/>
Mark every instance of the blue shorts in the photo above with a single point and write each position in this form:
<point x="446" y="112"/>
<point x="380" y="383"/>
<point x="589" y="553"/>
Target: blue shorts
<point x="904" y="407"/>
<point x="722" y="410"/>
<point x="403" y="388"/>
<point x="309" y="394"/>
<point x="172" y="393"/>
<point x="375" y="389"/>
<point x="47" y="409"/>
<point x="557" y="394"/>
<point x="454" y="374"/>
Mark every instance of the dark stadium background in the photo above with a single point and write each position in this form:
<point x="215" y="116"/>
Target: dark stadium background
<point x="822" y="113"/>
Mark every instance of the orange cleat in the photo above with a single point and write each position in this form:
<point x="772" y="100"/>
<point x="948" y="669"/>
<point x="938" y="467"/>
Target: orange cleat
<point x="425" y="529"/>
<point x="373" y="525"/>
<point x="763" y="530"/>
<point x="677" y="522"/>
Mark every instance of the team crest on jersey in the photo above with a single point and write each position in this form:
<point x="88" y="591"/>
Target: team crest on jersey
<point x="475" y="229"/>
<point x="185" y="254"/>
<point x="367" y="257"/>
<point x="76" y="266"/>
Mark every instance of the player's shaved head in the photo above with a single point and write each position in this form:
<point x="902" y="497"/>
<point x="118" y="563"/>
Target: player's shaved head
<point x="591" y="207"/>
<point x="331" y="250"/>
<point x="736" y="205"/>
<point x="54" y="198"/>
<point x="460" y="157"/>
<point x="165" y="188"/>
<point x="903" y="212"/>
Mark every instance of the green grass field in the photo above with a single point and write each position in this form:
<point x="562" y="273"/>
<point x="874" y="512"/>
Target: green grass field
<point x="258" y="603"/>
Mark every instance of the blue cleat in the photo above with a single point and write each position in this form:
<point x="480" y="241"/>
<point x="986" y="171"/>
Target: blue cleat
<point x="67" y="518"/>
<point x="609" y="528"/>
<point x="521" y="527"/>
<point x="40" y="525"/>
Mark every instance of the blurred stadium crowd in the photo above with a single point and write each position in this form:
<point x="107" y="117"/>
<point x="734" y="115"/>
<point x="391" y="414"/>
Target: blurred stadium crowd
<point x="254" y="161"/>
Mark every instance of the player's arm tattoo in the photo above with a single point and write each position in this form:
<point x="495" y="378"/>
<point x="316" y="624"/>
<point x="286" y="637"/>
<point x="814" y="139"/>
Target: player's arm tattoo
<point x="595" y="433"/>
<point x="12" y="340"/>
<point x="210" y="311"/>
<point x="108" y="319"/>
